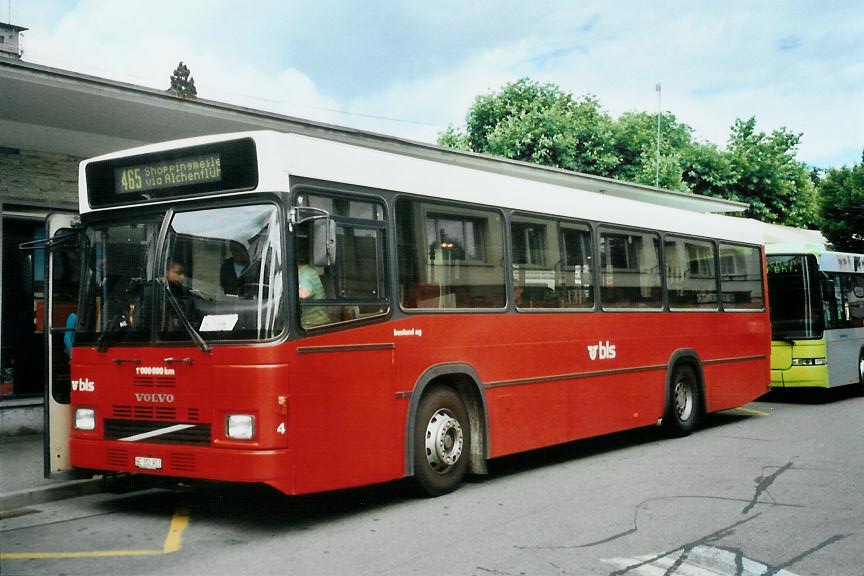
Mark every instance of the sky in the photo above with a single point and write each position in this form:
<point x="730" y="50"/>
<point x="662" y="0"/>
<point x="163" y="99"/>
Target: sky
<point x="411" y="69"/>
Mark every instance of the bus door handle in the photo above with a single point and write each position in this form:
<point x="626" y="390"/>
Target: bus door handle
<point x="171" y="360"/>
<point x="120" y="361"/>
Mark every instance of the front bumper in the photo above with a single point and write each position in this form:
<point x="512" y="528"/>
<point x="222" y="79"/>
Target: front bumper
<point x="274" y="467"/>
<point x="800" y="377"/>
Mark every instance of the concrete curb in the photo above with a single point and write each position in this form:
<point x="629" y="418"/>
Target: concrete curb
<point x="51" y="493"/>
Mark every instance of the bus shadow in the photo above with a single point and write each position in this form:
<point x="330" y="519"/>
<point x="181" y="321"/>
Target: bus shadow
<point x="588" y="447"/>
<point x="258" y="509"/>
<point x="810" y="395"/>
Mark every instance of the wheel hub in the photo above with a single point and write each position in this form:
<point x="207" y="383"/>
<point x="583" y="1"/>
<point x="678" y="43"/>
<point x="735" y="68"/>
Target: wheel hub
<point x="444" y="440"/>
<point x="683" y="400"/>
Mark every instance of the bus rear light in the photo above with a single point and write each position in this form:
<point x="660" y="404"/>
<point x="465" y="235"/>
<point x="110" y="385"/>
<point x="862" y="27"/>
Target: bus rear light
<point x="85" y="419"/>
<point x="808" y="362"/>
<point x="240" y="426"/>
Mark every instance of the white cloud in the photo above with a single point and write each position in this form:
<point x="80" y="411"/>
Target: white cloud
<point x="122" y="42"/>
<point x="796" y="65"/>
<point x="714" y="68"/>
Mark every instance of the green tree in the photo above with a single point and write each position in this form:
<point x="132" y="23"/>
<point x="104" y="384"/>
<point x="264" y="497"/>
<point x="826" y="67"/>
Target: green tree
<point x="539" y="123"/>
<point x="182" y="83"/>
<point x="767" y="176"/>
<point x="842" y="207"/>
<point x="452" y="137"/>
<point x="636" y="148"/>
<point x="707" y="170"/>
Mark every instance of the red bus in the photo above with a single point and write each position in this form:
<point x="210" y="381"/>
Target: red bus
<point x="313" y="315"/>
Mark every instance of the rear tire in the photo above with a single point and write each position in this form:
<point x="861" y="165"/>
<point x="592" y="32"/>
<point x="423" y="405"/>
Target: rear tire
<point x="861" y="372"/>
<point x="683" y="403"/>
<point x="442" y="442"/>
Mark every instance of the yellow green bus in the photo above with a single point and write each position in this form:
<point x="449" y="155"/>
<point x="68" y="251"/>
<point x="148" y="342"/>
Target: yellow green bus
<point x="817" y="316"/>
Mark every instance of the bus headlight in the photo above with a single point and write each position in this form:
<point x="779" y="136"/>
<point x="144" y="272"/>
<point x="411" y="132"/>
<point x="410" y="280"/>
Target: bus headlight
<point x="808" y="362"/>
<point x="85" y="419"/>
<point x="240" y="426"/>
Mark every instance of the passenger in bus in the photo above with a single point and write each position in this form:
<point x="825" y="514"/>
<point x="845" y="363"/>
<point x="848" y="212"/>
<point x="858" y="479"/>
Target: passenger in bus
<point x="232" y="271"/>
<point x="309" y="287"/>
<point x="518" y="291"/>
<point x="69" y="336"/>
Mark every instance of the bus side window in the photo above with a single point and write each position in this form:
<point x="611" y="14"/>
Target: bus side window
<point x="856" y="300"/>
<point x="450" y="256"/>
<point x="630" y="269"/>
<point x="353" y="284"/>
<point x="552" y="265"/>
<point x="691" y="279"/>
<point x="741" y="277"/>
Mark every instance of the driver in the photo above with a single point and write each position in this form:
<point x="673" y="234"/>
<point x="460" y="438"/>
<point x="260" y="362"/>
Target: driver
<point x="233" y="268"/>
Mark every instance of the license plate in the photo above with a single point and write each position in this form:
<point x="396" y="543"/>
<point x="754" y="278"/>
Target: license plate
<point x="148" y="463"/>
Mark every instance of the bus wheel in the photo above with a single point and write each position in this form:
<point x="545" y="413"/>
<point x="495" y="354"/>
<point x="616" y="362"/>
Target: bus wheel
<point x="442" y="442"/>
<point x="861" y="372"/>
<point x="682" y="405"/>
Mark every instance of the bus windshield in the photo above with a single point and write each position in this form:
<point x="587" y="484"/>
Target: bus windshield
<point x="220" y="277"/>
<point x="796" y="308"/>
<point x="117" y="258"/>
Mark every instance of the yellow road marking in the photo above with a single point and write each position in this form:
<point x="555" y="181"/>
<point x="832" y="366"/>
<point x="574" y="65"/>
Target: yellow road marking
<point x="751" y="411"/>
<point x="175" y="533"/>
<point x="88" y="554"/>
<point x="172" y="544"/>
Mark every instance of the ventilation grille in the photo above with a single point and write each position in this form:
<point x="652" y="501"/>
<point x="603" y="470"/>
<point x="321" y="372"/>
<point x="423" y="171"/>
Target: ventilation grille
<point x="182" y="462"/>
<point x="146" y="412"/>
<point x="155" y="382"/>
<point x="117" y="458"/>
<point x="199" y="434"/>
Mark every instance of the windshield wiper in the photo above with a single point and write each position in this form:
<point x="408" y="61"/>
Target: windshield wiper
<point x="193" y="333"/>
<point x="101" y="343"/>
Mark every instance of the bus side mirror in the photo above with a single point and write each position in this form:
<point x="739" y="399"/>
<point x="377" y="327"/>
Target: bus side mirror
<point x="323" y="242"/>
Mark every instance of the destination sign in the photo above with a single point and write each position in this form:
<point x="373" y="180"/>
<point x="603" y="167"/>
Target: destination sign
<point x="168" y="174"/>
<point x="784" y="264"/>
<point x="181" y="172"/>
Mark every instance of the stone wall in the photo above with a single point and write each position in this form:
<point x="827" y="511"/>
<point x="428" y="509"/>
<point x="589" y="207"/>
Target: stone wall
<point x="33" y="179"/>
<point x="41" y="178"/>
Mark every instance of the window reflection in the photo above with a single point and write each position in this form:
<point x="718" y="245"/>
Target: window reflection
<point x="224" y="266"/>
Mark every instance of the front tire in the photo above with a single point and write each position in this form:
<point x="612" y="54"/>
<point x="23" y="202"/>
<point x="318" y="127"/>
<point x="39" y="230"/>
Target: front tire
<point x="683" y="403"/>
<point x="442" y="442"/>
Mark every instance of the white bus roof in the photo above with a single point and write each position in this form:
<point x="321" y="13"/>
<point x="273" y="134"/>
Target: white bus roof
<point x="281" y="155"/>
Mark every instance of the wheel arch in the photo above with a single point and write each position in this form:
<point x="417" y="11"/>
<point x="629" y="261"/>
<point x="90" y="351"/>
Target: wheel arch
<point x="466" y="382"/>
<point x="687" y="357"/>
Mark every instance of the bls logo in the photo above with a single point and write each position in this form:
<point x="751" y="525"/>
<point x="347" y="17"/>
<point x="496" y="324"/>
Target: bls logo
<point x="604" y="351"/>
<point x="83" y="385"/>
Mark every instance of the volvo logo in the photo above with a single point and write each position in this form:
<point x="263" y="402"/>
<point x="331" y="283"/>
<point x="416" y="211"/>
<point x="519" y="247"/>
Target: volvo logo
<point x="154" y="398"/>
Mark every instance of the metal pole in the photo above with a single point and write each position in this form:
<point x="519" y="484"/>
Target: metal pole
<point x="657" y="173"/>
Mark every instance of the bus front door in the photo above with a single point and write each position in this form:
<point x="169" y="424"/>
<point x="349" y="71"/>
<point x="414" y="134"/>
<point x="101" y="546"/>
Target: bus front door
<point x="61" y="303"/>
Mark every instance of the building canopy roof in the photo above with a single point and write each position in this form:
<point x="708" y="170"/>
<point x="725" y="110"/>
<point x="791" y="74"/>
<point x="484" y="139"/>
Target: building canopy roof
<point x="12" y="27"/>
<point x="53" y="110"/>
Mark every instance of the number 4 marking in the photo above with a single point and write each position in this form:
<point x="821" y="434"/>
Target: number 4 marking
<point x="281" y="428"/>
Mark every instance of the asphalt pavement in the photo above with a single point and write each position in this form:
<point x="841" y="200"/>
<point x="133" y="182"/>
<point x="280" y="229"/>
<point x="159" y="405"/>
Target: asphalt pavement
<point x="22" y="482"/>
